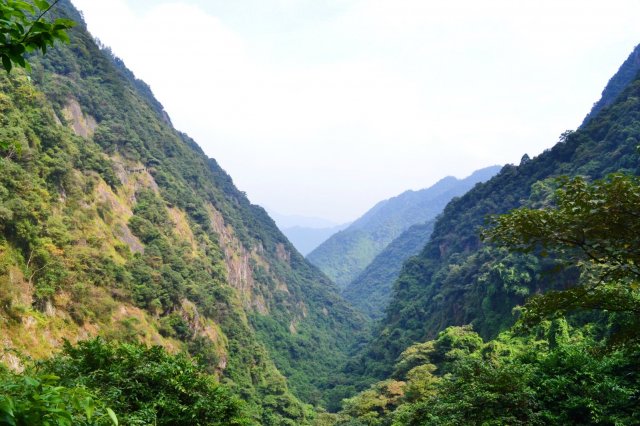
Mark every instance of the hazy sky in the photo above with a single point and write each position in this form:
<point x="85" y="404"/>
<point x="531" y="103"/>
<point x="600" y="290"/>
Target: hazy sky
<point x="323" y="108"/>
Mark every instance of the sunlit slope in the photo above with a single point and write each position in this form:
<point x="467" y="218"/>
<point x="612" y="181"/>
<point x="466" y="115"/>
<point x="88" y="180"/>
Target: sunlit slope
<point x="113" y="223"/>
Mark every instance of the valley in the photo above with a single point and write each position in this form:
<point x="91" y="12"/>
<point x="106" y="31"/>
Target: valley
<point x="140" y="285"/>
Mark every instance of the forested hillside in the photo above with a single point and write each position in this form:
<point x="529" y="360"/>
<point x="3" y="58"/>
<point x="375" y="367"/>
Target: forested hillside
<point x="371" y="290"/>
<point x="572" y="356"/>
<point x="114" y="224"/>
<point x="138" y="285"/>
<point x="458" y="280"/>
<point x="346" y="254"/>
<point x="625" y="75"/>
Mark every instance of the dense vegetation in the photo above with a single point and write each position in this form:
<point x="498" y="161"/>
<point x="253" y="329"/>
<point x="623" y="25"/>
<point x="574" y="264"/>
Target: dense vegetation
<point x="457" y="280"/>
<point x="556" y="375"/>
<point x="114" y="224"/>
<point x="544" y="370"/>
<point x="371" y="290"/>
<point x="346" y="254"/>
<point x="90" y="383"/>
<point x="147" y="385"/>
<point x="139" y="286"/>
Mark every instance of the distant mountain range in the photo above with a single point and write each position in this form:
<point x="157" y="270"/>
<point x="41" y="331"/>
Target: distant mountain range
<point x="305" y="232"/>
<point x="285" y="221"/>
<point x="346" y="254"/>
<point x="306" y="239"/>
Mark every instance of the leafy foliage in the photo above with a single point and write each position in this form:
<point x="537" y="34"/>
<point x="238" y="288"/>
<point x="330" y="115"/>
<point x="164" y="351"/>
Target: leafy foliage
<point x="27" y="400"/>
<point x="453" y="280"/>
<point x="23" y="30"/>
<point x="555" y="376"/>
<point x="548" y="372"/>
<point x="594" y="226"/>
<point x="147" y="385"/>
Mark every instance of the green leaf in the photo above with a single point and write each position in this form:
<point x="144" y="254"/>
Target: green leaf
<point x="89" y="407"/>
<point x="41" y="4"/>
<point x="30" y="381"/>
<point x="6" y="63"/>
<point x="113" y="416"/>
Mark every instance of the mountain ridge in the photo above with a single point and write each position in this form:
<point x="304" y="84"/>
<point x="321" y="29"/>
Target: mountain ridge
<point x="371" y="290"/>
<point x="344" y="255"/>
<point x="307" y="239"/>
<point x="453" y="280"/>
<point x="115" y="224"/>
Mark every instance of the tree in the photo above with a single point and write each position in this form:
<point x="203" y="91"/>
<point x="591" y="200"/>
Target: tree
<point x="147" y="385"/>
<point x="23" y="30"/>
<point x="27" y="400"/>
<point x="595" y="226"/>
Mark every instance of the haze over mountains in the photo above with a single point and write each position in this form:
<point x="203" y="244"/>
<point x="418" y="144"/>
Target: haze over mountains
<point x="371" y="290"/>
<point x="347" y="253"/>
<point x="306" y="233"/>
<point x="308" y="239"/>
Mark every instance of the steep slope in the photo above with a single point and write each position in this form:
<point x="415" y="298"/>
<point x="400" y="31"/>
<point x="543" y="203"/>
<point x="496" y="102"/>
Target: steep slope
<point x="625" y="75"/>
<point x="457" y="280"/>
<point x="306" y="239"/>
<point x="346" y="254"/>
<point x="371" y="290"/>
<point x="112" y="223"/>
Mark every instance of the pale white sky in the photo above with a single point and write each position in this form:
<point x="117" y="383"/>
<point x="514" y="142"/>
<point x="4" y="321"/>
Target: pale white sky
<point x="323" y="108"/>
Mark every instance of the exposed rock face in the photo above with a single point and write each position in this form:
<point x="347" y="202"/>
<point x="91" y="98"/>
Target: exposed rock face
<point x="82" y="124"/>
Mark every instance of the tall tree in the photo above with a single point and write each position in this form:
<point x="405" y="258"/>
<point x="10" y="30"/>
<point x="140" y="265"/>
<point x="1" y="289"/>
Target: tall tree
<point x="594" y="225"/>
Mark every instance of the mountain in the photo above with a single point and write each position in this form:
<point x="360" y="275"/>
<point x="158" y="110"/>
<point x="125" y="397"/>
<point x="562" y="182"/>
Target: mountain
<point x="371" y="290"/>
<point x="114" y="224"/>
<point x="305" y="233"/>
<point x="307" y="239"/>
<point x="347" y="253"/>
<point x="621" y="79"/>
<point x="285" y="221"/>
<point x="457" y="280"/>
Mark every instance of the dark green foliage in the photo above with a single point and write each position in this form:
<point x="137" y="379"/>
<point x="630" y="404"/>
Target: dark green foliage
<point x="593" y="226"/>
<point x="625" y="75"/>
<point x="554" y="376"/>
<point x="447" y="283"/>
<point x="24" y="29"/>
<point x="548" y="372"/>
<point x="371" y="290"/>
<point x="346" y="254"/>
